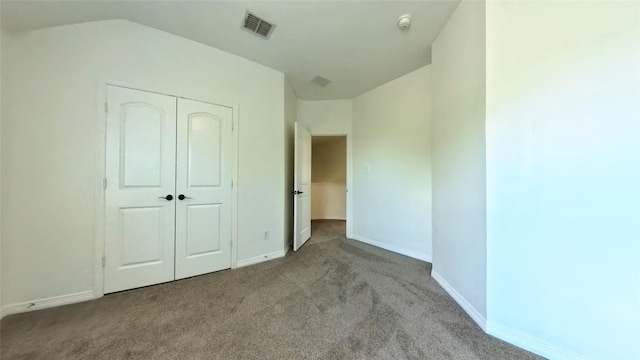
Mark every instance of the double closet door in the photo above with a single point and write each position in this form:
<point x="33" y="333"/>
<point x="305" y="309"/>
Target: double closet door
<point x="168" y="188"/>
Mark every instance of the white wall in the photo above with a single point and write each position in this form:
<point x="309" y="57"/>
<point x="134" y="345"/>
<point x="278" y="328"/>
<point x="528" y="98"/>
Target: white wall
<point x="290" y="118"/>
<point x="391" y="137"/>
<point x="563" y="176"/>
<point x="329" y="179"/>
<point x="329" y="201"/>
<point x="458" y="151"/>
<point x="327" y="117"/>
<point x="50" y="140"/>
<point x="329" y="160"/>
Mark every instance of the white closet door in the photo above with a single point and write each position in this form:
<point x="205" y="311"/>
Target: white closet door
<point x="140" y="203"/>
<point x="203" y="188"/>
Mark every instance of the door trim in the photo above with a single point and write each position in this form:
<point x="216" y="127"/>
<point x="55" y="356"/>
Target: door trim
<point x="100" y="193"/>
<point x="349" y="138"/>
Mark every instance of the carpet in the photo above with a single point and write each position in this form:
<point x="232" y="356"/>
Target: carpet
<point x="333" y="299"/>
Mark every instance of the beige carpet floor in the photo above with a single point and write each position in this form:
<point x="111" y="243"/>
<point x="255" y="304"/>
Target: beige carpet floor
<point x="333" y="299"/>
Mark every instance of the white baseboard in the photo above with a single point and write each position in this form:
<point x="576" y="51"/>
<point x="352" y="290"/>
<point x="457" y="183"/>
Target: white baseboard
<point x="520" y="340"/>
<point x="261" y="258"/>
<point x="466" y="306"/>
<point x="47" y="303"/>
<point x="532" y="344"/>
<point x="395" y="249"/>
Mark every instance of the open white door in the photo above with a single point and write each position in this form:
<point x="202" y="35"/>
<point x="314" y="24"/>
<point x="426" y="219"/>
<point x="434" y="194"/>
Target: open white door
<point x="302" y="187"/>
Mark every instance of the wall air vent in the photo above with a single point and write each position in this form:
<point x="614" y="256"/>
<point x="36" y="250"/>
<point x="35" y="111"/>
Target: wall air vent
<point x="320" y="81"/>
<point x="257" y="25"/>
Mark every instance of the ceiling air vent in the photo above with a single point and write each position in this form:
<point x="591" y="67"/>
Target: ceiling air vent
<point x="257" y="25"/>
<point x="320" y="81"/>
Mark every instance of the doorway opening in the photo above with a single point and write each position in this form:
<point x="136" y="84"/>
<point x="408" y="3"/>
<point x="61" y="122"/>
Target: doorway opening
<point x="328" y="186"/>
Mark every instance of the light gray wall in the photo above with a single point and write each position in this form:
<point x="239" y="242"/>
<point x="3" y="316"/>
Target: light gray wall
<point x="51" y="132"/>
<point x="563" y="176"/>
<point x="392" y="165"/>
<point x="458" y="155"/>
<point x="326" y="117"/>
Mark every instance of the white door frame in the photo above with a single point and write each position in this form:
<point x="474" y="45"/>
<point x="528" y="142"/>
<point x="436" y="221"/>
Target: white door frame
<point x="101" y="151"/>
<point x="349" y="221"/>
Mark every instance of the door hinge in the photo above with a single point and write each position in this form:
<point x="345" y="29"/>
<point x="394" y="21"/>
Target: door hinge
<point x="233" y="125"/>
<point x="104" y="183"/>
<point x="106" y="107"/>
<point x="104" y="261"/>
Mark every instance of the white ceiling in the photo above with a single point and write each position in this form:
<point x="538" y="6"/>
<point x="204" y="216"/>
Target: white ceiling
<point x="355" y="44"/>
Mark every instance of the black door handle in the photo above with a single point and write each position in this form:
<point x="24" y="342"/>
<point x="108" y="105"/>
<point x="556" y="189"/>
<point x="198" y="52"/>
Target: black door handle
<point x="182" y="197"/>
<point x="298" y="192"/>
<point x="168" y="197"/>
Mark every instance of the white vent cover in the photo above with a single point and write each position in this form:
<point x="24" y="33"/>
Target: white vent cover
<point x="320" y="81"/>
<point x="257" y="25"/>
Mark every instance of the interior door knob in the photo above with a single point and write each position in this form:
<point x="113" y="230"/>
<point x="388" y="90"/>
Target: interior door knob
<point x="182" y="197"/>
<point x="168" y="197"/>
<point x="297" y="192"/>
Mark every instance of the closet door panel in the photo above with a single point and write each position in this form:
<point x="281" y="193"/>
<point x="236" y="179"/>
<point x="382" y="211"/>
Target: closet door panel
<point x="140" y="173"/>
<point x="203" y="185"/>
